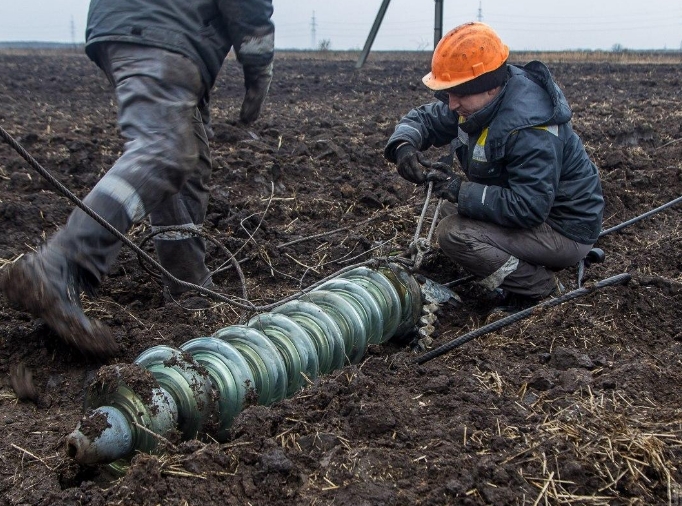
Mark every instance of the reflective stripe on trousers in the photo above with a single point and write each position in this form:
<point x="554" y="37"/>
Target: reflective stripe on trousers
<point x="164" y="170"/>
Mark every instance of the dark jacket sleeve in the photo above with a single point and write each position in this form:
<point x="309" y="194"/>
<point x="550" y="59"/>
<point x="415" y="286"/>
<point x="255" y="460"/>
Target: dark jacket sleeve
<point x="425" y="126"/>
<point x="250" y="29"/>
<point x="533" y="166"/>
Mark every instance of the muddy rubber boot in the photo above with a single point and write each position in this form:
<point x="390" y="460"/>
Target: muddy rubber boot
<point x="511" y="302"/>
<point x="48" y="286"/>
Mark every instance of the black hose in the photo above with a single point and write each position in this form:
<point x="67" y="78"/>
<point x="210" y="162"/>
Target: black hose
<point x="640" y="217"/>
<point x="513" y="318"/>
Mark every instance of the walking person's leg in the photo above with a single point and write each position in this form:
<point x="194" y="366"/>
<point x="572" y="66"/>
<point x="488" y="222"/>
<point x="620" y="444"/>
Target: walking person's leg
<point x="183" y="253"/>
<point x="157" y="92"/>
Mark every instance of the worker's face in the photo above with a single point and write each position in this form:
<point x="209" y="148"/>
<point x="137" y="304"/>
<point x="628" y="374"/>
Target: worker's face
<point x="466" y="105"/>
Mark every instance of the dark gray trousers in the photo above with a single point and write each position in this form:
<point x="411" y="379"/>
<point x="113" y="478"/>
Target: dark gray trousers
<point x="163" y="172"/>
<point x="518" y="260"/>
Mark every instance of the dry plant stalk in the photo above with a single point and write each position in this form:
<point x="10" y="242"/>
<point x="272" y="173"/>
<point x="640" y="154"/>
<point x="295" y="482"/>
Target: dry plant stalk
<point x="613" y="439"/>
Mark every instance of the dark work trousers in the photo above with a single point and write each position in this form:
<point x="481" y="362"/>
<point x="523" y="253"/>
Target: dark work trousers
<point x="163" y="172"/>
<point x="518" y="260"/>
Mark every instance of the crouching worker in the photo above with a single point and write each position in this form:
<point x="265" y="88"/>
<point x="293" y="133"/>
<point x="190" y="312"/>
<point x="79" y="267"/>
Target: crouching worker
<point x="162" y="58"/>
<point x="531" y="203"/>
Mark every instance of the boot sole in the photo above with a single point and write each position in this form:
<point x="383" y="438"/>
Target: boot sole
<point x="24" y="287"/>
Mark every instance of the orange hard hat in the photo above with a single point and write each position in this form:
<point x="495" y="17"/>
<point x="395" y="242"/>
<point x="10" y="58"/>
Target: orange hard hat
<point x="465" y="53"/>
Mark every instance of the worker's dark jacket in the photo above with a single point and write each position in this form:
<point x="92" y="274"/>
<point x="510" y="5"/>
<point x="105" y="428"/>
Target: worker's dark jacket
<point x="202" y="30"/>
<point x="524" y="162"/>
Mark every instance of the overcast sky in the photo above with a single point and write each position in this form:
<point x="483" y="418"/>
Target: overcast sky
<point x="408" y="24"/>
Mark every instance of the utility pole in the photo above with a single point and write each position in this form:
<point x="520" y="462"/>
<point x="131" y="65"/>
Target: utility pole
<point x="480" y="11"/>
<point x="313" y="32"/>
<point x="372" y="33"/>
<point x="438" y="23"/>
<point x="437" y="32"/>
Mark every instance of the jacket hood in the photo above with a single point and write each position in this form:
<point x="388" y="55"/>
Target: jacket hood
<point x="530" y="98"/>
<point x="552" y="109"/>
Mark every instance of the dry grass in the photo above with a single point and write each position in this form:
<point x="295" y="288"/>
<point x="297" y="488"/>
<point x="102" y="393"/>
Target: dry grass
<point x="625" y="57"/>
<point x="570" y="56"/>
<point x="614" y="440"/>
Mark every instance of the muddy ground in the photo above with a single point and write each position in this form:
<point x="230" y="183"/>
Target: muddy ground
<point x="578" y="404"/>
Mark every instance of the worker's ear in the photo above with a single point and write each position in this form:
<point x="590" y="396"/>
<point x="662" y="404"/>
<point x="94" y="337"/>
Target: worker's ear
<point x="494" y="91"/>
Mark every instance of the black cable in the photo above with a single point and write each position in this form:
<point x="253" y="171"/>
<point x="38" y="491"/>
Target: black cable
<point x="513" y="318"/>
<point x="141" y="254"/>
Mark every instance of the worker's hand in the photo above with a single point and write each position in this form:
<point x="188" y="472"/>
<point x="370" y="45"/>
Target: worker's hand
<point x="408" y="161"/>
<point x="445" y="187"/>
<point x="257" y="83"/>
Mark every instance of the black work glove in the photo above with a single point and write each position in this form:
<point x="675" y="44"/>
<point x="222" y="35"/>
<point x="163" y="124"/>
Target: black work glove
<point x="446" y="184"/>
<point x="257" y="83"/>
<point x="408" y="161"/>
